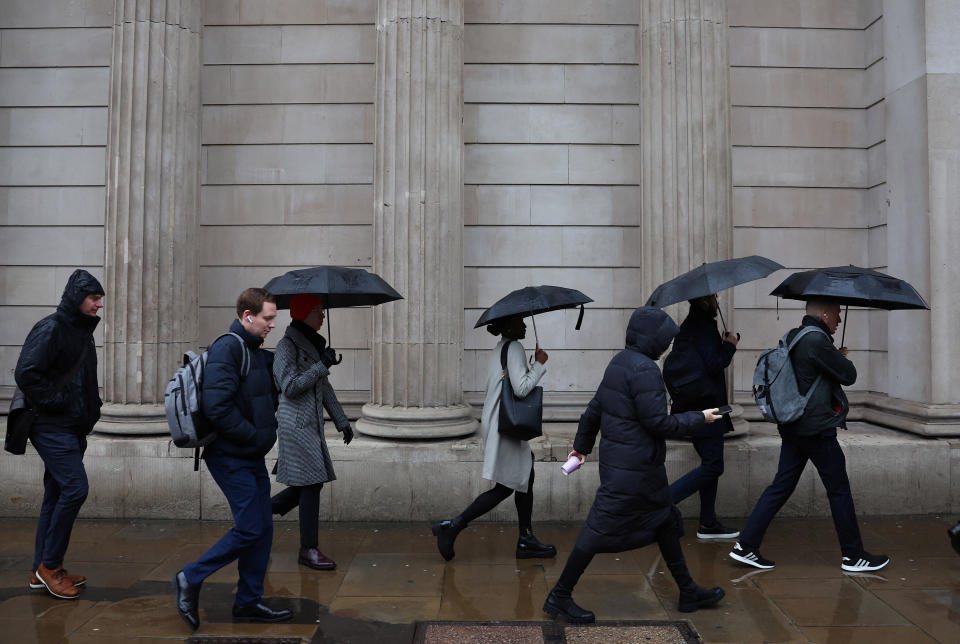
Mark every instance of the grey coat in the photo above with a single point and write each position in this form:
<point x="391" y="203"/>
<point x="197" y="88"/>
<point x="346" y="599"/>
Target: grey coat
<point x="304" y="393"/>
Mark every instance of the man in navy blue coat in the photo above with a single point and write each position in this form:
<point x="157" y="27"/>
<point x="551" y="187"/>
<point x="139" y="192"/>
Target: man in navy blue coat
<point x="694" y="375"/>
<point x="242" y="410"/>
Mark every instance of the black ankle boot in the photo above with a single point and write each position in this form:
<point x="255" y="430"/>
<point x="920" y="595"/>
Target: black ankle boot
<point x="446" y="533"/>
<point x="692" y="596"/>
<point x="529" y="547"/>
<point x="560" y="602"/>
<point x="698" y="597"/>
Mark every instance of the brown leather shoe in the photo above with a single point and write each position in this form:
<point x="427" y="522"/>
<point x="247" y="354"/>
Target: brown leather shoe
<point x="313" y="558"/>
<point x="57" y="583"/>
<point x="76" y="580"/>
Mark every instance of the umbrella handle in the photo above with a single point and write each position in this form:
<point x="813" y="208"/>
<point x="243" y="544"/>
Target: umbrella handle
<point x="579" y="318"/>
<point x="724" y="322"/>
<point x="844" y="334"/>
<point x="329" y="338"/>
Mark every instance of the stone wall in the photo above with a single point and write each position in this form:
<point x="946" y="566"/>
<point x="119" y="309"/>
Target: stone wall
<point x="54" y="87"/>
<point x="807" y="136"/>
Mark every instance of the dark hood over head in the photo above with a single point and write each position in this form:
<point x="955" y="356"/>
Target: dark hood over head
<point x="79" y="286"/>
<point x="650" y="331"/>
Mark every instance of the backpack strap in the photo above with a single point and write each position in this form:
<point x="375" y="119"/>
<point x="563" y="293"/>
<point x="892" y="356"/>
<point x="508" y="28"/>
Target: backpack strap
<point x="245" y="360"/>
<point x="804" y="331"/>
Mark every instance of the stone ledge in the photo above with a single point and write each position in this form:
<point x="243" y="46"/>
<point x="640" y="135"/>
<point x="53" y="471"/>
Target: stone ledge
<point x="922" y="419"/>
<point x="383" y="480"/>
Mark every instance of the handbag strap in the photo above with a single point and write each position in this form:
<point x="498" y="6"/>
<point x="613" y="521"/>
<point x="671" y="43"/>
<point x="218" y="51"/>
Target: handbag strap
<point x="503" y="356"/>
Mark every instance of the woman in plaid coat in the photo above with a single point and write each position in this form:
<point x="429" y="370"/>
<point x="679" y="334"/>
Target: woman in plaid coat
<point x="300" y="368"/>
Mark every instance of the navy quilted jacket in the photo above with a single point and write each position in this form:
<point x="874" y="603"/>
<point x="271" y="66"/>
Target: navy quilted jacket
<point x="629" y="411"/>
<point x="243" y="411"/>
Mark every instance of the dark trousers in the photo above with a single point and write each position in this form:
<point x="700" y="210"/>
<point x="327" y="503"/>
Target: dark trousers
<point x="64" y="491"/>
<point x="308" y="498"/>
<point x="668" y="539"/>
<point x="702" y="478"/>
<point x="828" y="458"/>
<point x="492" y="497"/>
<point x="247" y="487"/>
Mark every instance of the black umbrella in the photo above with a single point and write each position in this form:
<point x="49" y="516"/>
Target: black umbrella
<point x="851" y="286"/>
<point x="710" y="278"/>
<point x="337" y="286"/>
<point x="531" y="300"/>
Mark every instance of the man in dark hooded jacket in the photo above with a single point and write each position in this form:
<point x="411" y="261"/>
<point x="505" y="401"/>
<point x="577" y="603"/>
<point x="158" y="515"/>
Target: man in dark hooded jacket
<point x="813" y="437"/>
<point x="695" y="378"/>
<point x="57" y="372"/>
<point x="633" y="507"/>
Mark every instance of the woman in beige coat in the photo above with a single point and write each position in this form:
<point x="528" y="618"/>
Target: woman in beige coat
<point x="507" y="462"/>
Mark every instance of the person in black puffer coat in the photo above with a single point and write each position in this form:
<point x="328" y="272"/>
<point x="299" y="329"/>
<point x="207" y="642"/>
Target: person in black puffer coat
<point x="242" y="410"/>
<point x="57" y="372"/>
<point x="695" y="378"/>
<point x="633" y="507"/>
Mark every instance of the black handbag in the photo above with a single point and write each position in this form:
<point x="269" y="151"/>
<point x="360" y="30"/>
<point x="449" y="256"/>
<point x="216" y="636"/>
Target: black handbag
<point x="19" y="421"/>
<point x="23" y="414"/>
<point x="520" y="418"/>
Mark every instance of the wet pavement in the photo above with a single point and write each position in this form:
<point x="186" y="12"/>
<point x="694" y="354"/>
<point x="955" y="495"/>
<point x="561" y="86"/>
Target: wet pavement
<point x="390" y="576"/>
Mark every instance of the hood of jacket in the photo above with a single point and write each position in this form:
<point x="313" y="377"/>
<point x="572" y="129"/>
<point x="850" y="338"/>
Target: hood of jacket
<point x="79" y="286"/>
<point x="650" y="331"/>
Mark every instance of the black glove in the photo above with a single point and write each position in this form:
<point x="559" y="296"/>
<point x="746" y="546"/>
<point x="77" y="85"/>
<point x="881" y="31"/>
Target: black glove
<point x="329" y="357"/>
<point x="347" y="434"/>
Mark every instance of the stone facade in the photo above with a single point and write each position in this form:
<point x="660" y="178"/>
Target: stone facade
<point x="837" y="119"/>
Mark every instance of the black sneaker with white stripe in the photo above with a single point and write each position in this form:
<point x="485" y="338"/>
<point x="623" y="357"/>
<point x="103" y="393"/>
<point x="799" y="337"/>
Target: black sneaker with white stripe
<point x="716" y="531"/>
<point x="864" y="561"/>
<point x="750" y="557"/>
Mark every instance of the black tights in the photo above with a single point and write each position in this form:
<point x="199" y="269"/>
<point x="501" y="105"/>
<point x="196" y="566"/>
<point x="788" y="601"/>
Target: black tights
<point x="308" y="498"/>
<point x="668" y="538"/>
<point x="491" y="498"/>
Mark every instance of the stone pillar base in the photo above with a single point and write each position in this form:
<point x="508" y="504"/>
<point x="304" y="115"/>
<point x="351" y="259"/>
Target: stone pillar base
<point x="741" y="426"/>
<point x="386" y="421"/>
<point x="132" y="420"/>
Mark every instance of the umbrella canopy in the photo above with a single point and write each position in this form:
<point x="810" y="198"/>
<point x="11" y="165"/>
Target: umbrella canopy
<point x="852" y="286"/>
<point x="710" y="278"/>
<point x="532" y="300"/>
<point x="337" y="286"/>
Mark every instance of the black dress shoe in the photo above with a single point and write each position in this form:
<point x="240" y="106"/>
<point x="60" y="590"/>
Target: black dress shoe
<point x="260" y="613"/>
<point x="313" y="558"/>
<point x="529" y="547"/>
<point x="188" y="598"/>
<point x="560" y="602"/>
<point x="699" y="597"/>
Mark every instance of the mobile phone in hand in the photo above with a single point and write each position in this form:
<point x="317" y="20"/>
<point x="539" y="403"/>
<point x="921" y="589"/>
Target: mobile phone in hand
<point x="723" y="411"/>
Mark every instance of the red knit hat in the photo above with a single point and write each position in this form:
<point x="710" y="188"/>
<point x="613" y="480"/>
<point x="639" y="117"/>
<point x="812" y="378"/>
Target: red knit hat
<point x="302" y="304"/>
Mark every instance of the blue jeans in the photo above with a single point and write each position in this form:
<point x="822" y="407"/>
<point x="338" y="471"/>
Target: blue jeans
<point x="828" y="458"/>
<point x="702" y="478"/>
<point x="247" y="487"/>
<point x="64" y="491"/>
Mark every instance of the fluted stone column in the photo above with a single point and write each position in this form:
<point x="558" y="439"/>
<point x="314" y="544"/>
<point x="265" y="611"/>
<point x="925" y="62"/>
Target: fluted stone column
<point x="417" y="345"/>
<point x="684" y="141"/>
<point x="153" y="154"/>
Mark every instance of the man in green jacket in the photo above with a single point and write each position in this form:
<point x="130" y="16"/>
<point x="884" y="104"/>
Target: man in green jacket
<point x="813" y="437"/>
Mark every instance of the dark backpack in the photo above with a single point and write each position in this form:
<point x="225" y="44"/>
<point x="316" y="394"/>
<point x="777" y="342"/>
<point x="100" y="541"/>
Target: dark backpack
<point x="685" y="376"/>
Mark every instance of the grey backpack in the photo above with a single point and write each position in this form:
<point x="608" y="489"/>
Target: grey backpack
<point x="775" y="383"/>
<point x="183" y="398"/>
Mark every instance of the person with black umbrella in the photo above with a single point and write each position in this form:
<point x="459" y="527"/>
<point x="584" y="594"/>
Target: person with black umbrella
<point x="813" y="437"/>
<point x="694" y="372"/>
<point x="507" y="461"/>
<point x="301" y="369"/>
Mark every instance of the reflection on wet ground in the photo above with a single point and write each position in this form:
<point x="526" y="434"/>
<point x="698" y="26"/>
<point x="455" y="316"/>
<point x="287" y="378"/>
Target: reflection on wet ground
<point x="389" y="576"/>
